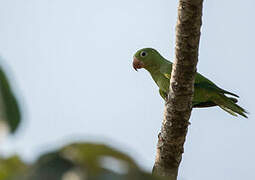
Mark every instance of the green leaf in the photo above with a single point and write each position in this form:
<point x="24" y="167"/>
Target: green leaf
<point x="50" y="166"/>
<point x="91" y="155"/>
<point x="9" y="109"/>
<point x="83" y="161"/>
<point x="11" y="168"/>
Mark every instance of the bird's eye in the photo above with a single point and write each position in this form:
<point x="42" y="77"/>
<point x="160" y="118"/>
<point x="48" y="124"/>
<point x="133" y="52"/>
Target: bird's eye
<point x="143" y="54"/>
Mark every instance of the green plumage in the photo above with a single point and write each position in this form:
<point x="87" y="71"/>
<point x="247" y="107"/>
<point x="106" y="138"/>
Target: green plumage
<point x="206" y="93"/>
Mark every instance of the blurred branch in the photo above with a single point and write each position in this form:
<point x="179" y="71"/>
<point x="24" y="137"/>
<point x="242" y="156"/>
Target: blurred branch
<point x="179" y="105"/>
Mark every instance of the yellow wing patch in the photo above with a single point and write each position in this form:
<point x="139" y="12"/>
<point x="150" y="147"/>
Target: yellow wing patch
<point x="167" y="76"/>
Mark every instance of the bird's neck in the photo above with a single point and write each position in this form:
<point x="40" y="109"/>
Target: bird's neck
<point x="153" y="69"/>
<point x="156" y="73"/>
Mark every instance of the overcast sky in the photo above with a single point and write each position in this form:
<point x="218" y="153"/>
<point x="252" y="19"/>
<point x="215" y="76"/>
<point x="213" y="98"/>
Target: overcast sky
<point x="70" y="63"/>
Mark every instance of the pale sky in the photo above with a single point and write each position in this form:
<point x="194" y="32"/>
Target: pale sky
<point x="70" y="63"/>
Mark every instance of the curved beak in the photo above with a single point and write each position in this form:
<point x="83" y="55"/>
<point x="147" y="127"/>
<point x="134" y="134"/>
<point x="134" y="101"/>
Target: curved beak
<point x="137" y="64"/>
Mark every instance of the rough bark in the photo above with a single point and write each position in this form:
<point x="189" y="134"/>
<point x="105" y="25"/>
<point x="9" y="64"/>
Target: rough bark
<point x="179" y="104"/>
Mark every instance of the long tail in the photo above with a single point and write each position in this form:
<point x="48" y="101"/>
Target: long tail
<point x="229" y="105"/>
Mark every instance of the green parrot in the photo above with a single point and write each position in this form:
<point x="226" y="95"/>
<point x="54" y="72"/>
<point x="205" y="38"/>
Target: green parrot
<point x="206" y="93"/>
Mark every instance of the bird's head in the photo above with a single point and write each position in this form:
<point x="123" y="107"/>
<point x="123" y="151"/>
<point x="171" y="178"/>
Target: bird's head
<point x="145" y="58"/>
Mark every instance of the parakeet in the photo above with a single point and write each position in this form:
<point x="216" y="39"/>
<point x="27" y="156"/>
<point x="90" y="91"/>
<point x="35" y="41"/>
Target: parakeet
<point x="206" y="93"/>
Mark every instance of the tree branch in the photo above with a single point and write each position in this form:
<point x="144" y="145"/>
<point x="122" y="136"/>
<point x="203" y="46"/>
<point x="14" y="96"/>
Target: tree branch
<point x="179" y="105"/>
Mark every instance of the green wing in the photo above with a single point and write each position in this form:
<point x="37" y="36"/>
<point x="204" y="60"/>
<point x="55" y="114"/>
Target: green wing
<point x="199" y="80"/>
<point x="206" y="83"/>
<point x="208" y="94"/>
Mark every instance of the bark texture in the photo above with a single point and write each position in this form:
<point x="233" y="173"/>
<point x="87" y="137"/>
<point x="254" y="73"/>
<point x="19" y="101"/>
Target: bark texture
<point x="179" y="105"/>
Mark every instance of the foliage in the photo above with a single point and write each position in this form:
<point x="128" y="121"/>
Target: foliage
<point x="11" y="167"/>
<point x="9" y="109"/>
<point x="77" y="161"/>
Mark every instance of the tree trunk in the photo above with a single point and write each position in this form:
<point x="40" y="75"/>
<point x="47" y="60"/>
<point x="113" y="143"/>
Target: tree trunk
<point x="179" y="104"/>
